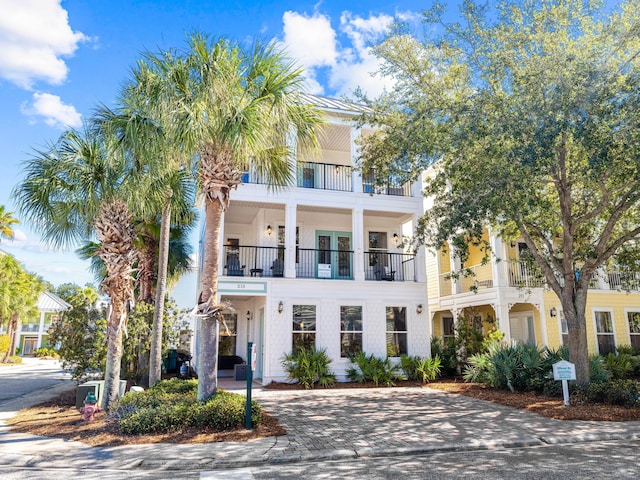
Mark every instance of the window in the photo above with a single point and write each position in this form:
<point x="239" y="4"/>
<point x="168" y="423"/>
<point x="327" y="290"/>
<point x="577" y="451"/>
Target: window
<point x="396" y="331"/>
<point x="228" y="334"/>
<point x="281" y="243"/>
<point x="604" y="333"/>
<point x="634" y="328"/>
<point x="378" y="248"/>
<point x="476" y="323"/>
<point x="350" y="330"/>
<point x="448" y="328"/>
<point x="304" y="327"/>
<point x="564" y="329"/>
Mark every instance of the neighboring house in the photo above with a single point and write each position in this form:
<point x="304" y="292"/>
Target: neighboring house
<point x="510" y="290"/>
<point x="33" y="333"/>
<point x="323" y="263"/>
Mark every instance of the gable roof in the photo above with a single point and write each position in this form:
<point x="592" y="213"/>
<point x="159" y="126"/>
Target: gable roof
<point x="334" y="105"/>
<point x="48" y="302"/>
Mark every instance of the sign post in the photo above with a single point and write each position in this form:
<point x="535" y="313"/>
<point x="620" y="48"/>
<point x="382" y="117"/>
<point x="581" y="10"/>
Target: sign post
<point x="252" y="353"/>
<point x="564" y="371"/>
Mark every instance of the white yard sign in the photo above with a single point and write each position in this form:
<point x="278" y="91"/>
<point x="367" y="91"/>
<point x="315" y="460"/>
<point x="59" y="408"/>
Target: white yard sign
<point x="564" y="371"/>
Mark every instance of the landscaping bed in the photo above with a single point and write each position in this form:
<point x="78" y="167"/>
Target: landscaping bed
<point x="59" y="418"/>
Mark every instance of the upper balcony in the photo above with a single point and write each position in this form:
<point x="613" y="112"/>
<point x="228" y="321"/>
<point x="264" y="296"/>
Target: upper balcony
<point x="524" y="274"/>
<point x="336" y="177"/>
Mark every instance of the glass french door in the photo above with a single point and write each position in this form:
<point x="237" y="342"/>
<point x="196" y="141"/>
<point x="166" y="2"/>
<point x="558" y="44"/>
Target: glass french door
<point x="334" y="255"/>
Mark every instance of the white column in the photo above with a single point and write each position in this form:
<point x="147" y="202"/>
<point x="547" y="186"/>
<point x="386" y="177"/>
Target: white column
<point x="455" y="267"/>
<point x="290" y="240"/>
<point x="355" y="151"/>
<point x="502" y="317"/>
<point x="40" y="330"/>
<point x="357" y="228"/>
<point x="421" y="259"/>
<point x="222" y="259"/>
<point x="497" y="267"/>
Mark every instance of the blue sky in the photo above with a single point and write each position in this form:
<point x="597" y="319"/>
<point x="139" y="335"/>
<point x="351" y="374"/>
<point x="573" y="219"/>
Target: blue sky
<point x="60" y="59"/>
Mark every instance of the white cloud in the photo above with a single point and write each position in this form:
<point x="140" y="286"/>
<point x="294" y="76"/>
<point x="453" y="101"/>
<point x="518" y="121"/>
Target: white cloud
<point x="310" y="40"/>
<point x="341" y="57"/>
<point x="34" y="35"/>
<point x="56" y="114"/>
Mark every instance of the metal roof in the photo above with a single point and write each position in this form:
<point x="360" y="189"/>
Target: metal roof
<point x="48" y="302"/>
<point x="334" y="104"/>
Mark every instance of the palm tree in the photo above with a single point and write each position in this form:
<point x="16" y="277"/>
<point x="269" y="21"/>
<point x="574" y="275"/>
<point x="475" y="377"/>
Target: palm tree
<point x="247" y="104"/>
<point x="147" y="125"/>
<point x="6" y="220"/>
<point x="76" y="190"/>
<point x="19" y="292"/>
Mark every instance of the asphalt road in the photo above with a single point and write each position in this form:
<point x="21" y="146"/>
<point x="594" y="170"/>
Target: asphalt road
<point x="22" y="385"/>
<point x="602" y="460"/>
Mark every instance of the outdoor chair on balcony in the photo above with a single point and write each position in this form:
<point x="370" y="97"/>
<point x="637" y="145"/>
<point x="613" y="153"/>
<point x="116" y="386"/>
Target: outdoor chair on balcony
<point x="382" y="273"/>
<point x="277" y="268"/>
<point x="233" y="268"/>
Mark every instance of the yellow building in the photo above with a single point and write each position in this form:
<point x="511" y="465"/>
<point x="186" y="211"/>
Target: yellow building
<point x="510" y="292"/>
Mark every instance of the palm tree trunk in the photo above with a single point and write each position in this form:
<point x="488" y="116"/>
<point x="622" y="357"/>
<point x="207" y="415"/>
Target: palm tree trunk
<point x="208" y="356"/>
<point x="115" y="324"/>
<point x="114" y="231"/>
<point x="155" y="358"/>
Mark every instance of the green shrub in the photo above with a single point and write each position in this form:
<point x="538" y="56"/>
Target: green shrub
<point x="619" y="364"/>
<point x="598" y="373"/>
<point x="46" y="352"/>
<point x="5" y="343"/>
<point x="15" y="359"/>
<point x="614" y="392"/>
<point x="629" y="349"/>
<point x="171" y="405"/>
<point x="309" y="367"/>
<point x="176" y="385"/>
<point x="445" y="349"/>
<point x="369" y="368"/>
<point x="421" y="369"/>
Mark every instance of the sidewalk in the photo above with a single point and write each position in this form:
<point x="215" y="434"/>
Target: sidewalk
<point x="332" y="424"/>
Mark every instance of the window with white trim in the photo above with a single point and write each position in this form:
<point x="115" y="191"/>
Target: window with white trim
<point x="634" y="328"/>
<point x="396" y="331"/>
<point x="350" y="330"/>
<point x="604" y="333"/>
<point x="564" y="328"/>
<point x="448" y="328"/>
<point x="304" y="327"/>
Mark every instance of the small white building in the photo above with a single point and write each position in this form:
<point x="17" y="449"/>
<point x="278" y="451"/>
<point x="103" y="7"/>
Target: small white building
<point x="33" y="333"/>
<point x="323" y="263"/>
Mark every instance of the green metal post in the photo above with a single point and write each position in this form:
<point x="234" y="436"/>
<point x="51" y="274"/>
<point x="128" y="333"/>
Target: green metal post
<point x="247" y="415"/>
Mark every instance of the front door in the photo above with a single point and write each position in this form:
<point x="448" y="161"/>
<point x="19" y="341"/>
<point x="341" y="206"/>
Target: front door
<point x="334" y="259"/>
<point x="522" y="327"/>
<point x="29" y="346"/>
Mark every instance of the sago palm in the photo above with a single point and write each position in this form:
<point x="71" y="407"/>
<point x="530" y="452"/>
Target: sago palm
<point x="246" y="108"/>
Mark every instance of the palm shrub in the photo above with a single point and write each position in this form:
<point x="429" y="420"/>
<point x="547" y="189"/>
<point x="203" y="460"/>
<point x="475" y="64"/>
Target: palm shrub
<point x="369" y="368"/>
<point x="619" y="364"/>
<point x="308" y="367"/>
<point x="421" y="369"/>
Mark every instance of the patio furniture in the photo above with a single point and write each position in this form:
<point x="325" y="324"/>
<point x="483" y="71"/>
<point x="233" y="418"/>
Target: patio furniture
<point x="382" y="273"/>
<point x="277" y="268"/>
<point x="233" y="268"/>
